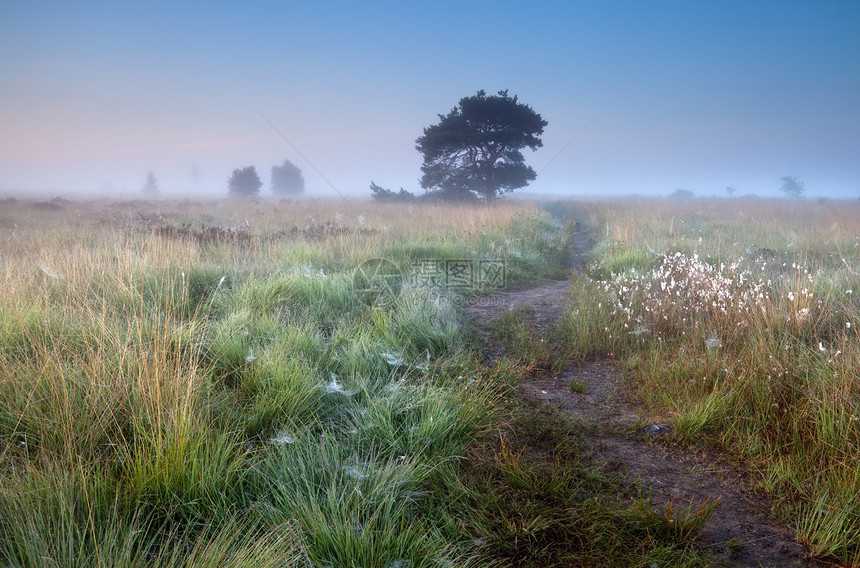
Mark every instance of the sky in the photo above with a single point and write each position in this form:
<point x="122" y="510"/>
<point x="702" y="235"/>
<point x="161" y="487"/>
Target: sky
<point x="641" y="97"/>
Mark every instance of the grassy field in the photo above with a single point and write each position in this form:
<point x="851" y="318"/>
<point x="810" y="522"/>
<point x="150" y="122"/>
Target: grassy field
<point x="205" y="384"/>
<point x="739" y="319"/>
<point x="216" y="384"/>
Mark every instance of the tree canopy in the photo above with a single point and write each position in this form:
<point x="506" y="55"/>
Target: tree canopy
<point x="476" y="148"/>
<point x="382" y="195"/>
<point x="792" y="187"/>
<point x="151" y="185"/>
<point x="287" y="179"/>
<point x="244" y="182"/>
<point x="682" y="193"/>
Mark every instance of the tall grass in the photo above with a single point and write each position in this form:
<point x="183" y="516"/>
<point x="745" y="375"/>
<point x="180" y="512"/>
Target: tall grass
<point x="200" y="384"/>
<point x="739" y="318"/>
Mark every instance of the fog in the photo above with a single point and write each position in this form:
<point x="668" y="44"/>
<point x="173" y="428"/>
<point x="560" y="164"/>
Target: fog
<point x="574" y="173"/>
<point x="616" y="153"/>
<point x="685" y="97"/>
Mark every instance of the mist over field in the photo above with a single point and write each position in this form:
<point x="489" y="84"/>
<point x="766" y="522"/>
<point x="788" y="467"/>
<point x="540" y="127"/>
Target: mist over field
<point x="423" y="285"/>
<point x="639" y="99"/>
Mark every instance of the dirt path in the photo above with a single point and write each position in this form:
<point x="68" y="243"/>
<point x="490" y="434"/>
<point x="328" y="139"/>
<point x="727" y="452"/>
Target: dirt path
<point x="739" y="533"/>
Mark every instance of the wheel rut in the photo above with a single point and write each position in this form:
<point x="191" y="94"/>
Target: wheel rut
<point x="741" y="531"/>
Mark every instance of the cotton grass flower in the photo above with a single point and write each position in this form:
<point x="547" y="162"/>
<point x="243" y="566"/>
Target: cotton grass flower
<point x="681" y="291"/>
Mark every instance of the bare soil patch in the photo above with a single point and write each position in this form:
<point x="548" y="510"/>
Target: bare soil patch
<point x="741" y="531"/>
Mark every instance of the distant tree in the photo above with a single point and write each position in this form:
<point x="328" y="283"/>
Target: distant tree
<point x="244" y="182"/>
<point x="731" y="190"/>
<point x="682" y="194"/>
<point x="287" y="179"/>
<point x="382" y="195"/>
<point x="151" y="185"/>
<point x="476" y="148"/>
<point x="195" y="175"/>
<point x="792" y="187"/>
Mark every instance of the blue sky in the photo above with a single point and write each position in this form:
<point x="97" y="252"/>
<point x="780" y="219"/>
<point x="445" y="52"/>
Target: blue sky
<point x="695" y="95"/>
